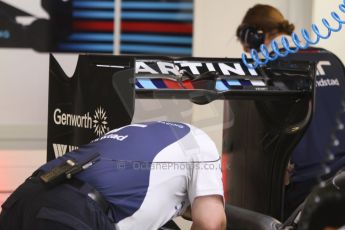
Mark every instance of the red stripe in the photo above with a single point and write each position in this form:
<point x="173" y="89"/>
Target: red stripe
<point x="188" y="84"/>
<point x="134" y="27"/>
<point x="314" y="51"/>
<point x="175" y="85"/>
<point x="172" y="84"/>
<point x="157" y="27"/>
<point x="94" y="25"/>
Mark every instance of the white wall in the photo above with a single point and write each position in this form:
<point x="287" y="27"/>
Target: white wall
<point x="216" y="22"/>
<point x="323" y="9"/>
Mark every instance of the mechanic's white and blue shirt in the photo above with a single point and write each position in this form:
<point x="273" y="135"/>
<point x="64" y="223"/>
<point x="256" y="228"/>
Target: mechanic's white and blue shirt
<point x="151" y="172"/>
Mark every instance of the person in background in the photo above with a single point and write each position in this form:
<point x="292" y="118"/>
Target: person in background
<point x="262" y="24"/>
<point x="138" y="176"/>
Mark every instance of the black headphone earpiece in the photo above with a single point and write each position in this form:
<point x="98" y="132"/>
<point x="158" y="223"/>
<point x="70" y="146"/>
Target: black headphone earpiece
<point x="251" y="36"/>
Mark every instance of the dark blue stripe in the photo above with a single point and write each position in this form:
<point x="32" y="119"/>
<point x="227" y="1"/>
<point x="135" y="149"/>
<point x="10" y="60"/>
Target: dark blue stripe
<point x="159" y="83"/>
<point x="245" y="82"/>
<point x="226" y="83"/>
<point x="86" y="47"/>
<point x="137" y="83"/>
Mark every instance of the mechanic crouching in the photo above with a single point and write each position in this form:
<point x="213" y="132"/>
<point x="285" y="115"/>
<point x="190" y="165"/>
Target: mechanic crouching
<point x="138" y="176"/>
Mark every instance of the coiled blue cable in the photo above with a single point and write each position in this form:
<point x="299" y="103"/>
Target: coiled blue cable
<point x="277" y="52"/>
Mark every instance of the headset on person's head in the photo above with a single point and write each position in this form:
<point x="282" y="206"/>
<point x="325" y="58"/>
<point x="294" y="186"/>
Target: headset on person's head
<point x="250" y="35"/>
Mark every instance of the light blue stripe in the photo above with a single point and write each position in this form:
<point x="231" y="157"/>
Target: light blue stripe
<point x="94" y="5"/>
<point x="157" y="5"/>
<point x="156" y="49"/>
<point x="220" y="86"/>
<point x="137" y="87"/>
<point x="134" y="5"/>
<point x="147" y="84"/>
<point x="86" y="47"/>
<point x="158" y="16"/>
<point x="93" y="14"/>
<point x="133" y="15"/>
<point x="99" y="37"/>
<point x="156" y="39"/>
<point x="234" y="82"/>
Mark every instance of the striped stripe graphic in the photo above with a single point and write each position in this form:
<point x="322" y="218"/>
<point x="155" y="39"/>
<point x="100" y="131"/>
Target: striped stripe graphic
<point x="233" y="82"/>
<point x="134" y="5"/>
<point x="109" y="37"/>
<point x="221" y="84"/>
<point x="92" y="27"/>
<point x="147" y="83"/>
<point x="147" y="27"/>
<point x="88" y="14"/>
<point x="157" y="27"/>
<point x="159" y="83"/>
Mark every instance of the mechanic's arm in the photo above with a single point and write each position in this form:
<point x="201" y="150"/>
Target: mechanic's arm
<point x="208" y="213"/>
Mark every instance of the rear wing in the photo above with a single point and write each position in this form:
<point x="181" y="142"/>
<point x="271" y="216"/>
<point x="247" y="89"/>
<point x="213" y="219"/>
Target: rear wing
<point x="100" y="95"/>
<point x="203" y="80"/>
<point x="272" y="107"/>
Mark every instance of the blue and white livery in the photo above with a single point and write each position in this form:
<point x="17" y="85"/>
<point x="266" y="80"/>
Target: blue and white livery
<point x="151" y="172"/>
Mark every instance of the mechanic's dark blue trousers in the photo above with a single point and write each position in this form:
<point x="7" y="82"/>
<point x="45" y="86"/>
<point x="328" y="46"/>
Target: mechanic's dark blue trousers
<point x="33" y="206"/>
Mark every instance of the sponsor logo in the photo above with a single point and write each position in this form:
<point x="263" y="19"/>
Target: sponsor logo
<point x="98" y="122"/>
<point x="327" y="82"/>
<point x="112" y="136"/>
<point x="320" y="71"/>
<point x="176" y="68"/>
<point x="171" y="124"/>
<point x="60" y="149"/>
